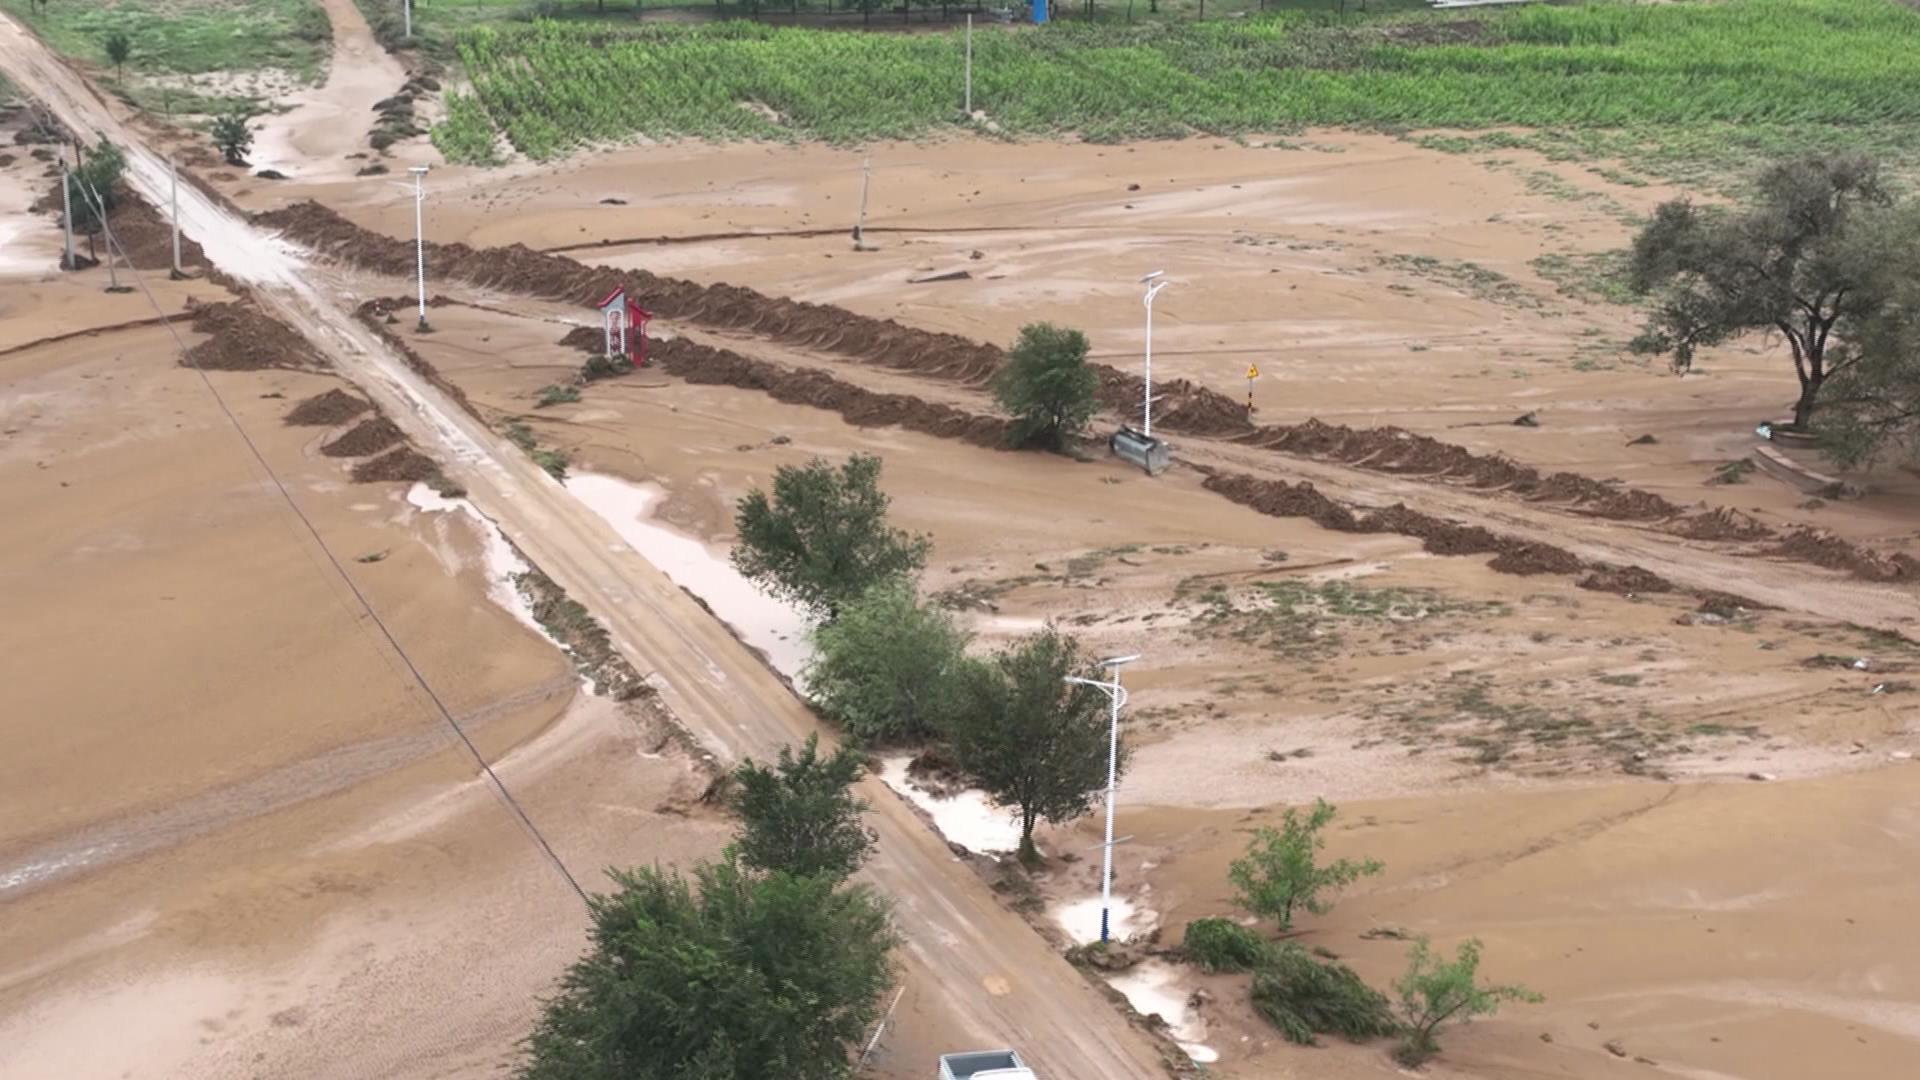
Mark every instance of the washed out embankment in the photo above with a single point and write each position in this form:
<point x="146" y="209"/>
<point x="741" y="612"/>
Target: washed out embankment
<point x="1183" y="407"/>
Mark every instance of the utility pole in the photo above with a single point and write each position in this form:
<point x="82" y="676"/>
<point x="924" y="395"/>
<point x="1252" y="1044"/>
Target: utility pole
<point x="420" y="242"/>
<point x="1116" y="697"/>
<point x="406" y="6"/>
<point x="969" y="65"/>
<point x="1153" y="289"/>
<point x="173" y="179"/>
<point x="66" y="211"/>
<point x="859" y="227"/>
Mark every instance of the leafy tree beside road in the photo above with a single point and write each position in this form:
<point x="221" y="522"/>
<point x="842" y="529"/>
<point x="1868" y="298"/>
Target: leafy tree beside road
<point x="232" y="137"/>
<point x="1436" y="990"/>
<point x="1034" y="741"/>
<point x="1821" y="256"/>
<point x="821" y="538"/>
<point x="93" y="188"/>
<point x="732" y="976"/>
<point x="1047" y="386"/>
<point x="885" y="670"/>
<point x="800" y="816"/>
<point x="118" y="48"/>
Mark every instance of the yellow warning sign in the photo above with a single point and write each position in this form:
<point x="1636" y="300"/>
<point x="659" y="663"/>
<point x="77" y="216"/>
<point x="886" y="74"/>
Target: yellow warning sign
<point x="1252" y="372"/>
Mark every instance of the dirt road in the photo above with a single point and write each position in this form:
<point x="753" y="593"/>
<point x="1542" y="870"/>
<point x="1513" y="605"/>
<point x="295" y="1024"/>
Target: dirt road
<point x="1000" y="982"/>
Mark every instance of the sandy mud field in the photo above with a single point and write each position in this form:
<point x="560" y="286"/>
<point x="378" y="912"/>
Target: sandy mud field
<point x="1646" y="733"/>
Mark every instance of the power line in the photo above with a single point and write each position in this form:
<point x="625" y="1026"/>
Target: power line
<point x="499" y="785"/>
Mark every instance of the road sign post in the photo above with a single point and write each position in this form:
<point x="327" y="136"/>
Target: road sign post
<point x="1253" y="373"/>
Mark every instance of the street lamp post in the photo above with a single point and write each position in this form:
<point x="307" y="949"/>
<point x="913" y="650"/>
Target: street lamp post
<point x="1116" y="697"/>
<point x="420" y="240"/>
<point x="1154" y="284"/>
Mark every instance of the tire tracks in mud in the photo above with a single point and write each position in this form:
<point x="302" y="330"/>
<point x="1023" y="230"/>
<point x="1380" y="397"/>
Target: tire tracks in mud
<point x="1185" y="407"/>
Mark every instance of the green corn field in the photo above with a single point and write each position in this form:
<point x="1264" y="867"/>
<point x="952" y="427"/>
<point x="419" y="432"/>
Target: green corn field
<point x="1830" y="65"/>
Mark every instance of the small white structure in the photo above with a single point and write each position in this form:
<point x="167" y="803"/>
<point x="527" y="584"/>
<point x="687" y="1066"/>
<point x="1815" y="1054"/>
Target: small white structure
<point x="625" y="322"/>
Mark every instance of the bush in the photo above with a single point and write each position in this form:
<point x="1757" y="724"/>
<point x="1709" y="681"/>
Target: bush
<point x="600" y="366"/>
<point x="1304" y="997"/>
<point x="232" y="137"/>
<point x="1224" y="945"/>
<point x="556" y="395"/>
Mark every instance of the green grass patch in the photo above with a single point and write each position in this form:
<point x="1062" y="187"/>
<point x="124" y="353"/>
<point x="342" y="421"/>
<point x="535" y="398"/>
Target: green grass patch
<point x="1470" y="278"/>
<point x="188" y="37"/>
<point x="1664" y="74"/>
<point x="1307" y="620"/>
<point x="1597" y="277"/>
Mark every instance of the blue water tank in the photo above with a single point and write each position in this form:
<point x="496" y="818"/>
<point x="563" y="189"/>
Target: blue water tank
<point x="1039" y="12"/>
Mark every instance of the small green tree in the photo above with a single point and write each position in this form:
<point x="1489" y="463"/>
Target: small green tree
<point x="822" y="538"/>
<point x="93" y="188"/>
<point x="885" y="669"/>
<point x="1034" y="741"/>
<point x="746" y="977"/>
<point x="1435" y="990"/>
<point x="1047" y="386"/>
<point x="232" y="137"/>
<point x="801" y="816"/>
<point x="118" y="48"/>
<point x="1278" y="873"/>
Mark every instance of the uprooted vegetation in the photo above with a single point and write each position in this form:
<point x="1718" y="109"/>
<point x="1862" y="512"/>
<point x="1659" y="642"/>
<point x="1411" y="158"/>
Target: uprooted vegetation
<point x="585" y="640"/>
<point x="1304" y="619"/>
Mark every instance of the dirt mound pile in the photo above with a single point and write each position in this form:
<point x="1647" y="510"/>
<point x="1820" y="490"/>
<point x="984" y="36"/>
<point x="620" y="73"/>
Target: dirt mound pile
<point x="585" y="338"/>
<point x="1525" y="558"/>
<point x="405" y="465"/>
<point x="328" y="409"/>
<point x="369" y="436"/>
<point x="1278" y="498"/>
<point x="857" y="405"/>
<point x="1825" y="549"/>
<point x="242" y="338"/>
<point x="1721" y="523"/>
<point x="1179" y="404"/>
<point x="1625" y="580"/>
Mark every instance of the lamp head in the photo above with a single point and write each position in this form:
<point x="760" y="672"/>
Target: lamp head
<point x="1150" y="277"/>
<point x="417" y="170"/>
<point x="1116" y="661"/>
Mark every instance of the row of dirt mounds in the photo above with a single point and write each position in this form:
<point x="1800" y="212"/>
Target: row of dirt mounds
<point x="1182" y="407"/>
<point x="327" y="409"/>
<point x="857" y="405"/>
<point x="1825" y="549"/>
<point x="1511" y="555"/>
<point x="369" y="436"/>
<point x="240" y="337"/>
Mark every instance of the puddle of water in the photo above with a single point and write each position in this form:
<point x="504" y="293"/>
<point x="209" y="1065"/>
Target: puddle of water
<point x="1081" y="920"/>
<point x="29" y="873"/>
<point x="1155" y="986"/>
<point x="499" y="560"/>
<point x="969" y="818"/>
<point x="767" y="624"/>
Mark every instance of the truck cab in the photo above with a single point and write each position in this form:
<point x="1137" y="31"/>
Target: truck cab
<point x="984" y="1065"/>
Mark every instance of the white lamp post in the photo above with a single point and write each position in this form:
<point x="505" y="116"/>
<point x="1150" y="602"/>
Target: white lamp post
<point x="420" y="240"/>
<point x="1116" y="697"/>
<point x="1154" y="284"/>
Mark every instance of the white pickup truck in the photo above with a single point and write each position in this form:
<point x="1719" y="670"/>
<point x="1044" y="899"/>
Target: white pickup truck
<point x="984" y="1065"/>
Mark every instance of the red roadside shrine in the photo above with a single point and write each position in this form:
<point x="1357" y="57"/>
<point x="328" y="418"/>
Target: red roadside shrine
<point x="626" y="326"/>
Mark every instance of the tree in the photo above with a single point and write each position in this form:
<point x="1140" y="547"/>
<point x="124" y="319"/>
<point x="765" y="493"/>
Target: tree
<point x="1278" y="873"/>
<point x="119" y="47"/>
<point x="746" y="977"/>
<point x="1304" y="997"/>
<point x="1034" y="741"/>
<point x="1797" y="260"/>
<point x="1435" y="990"/>
<point x="92" y="188"/>
<point x="232" y="137"/>
<point x="822" y="538"/>
<point x="1047" y="386"/>
<point x="1874" y="404"/>
<point x="885" y="669"/>
<point x="801" y="816"/>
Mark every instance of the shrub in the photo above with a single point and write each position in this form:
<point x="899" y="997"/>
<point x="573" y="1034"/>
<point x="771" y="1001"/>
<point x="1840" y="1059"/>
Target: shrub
<point x="600" y="366"/>
<point x="1435" y="990"/>
<point x="1224" y="945"/>
<point x="556" y="395"/>
<point x="1304" y="997"/>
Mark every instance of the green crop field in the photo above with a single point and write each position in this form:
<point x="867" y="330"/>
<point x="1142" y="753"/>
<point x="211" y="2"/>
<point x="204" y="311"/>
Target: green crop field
<point x="188" y="37"/>
<point x="1831" y="68"/>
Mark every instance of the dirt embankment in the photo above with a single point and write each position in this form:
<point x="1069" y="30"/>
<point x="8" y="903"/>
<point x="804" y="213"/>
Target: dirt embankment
<point x="243" y="338"/>
<point x="1182" y="408"/>
<point x="369" y="436"/>
<point x="327" y="409"/>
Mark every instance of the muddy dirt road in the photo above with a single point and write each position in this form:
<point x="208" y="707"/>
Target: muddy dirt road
<point x="1000" y="982"/>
